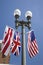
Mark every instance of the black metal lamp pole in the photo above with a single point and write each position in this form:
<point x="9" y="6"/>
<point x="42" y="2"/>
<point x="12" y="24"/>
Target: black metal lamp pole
<point x="23" y="24"/>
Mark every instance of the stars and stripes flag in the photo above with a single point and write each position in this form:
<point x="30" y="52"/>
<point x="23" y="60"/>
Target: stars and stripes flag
<point x="32" y="44"/>
<point x="16" y="45"/>
<point x="7" y="40"/>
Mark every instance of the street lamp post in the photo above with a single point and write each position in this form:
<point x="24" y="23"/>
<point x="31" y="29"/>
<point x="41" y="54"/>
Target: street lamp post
<point x="23" y="23"/>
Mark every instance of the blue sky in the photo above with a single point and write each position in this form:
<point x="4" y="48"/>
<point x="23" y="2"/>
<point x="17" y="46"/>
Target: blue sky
<point x="7" y="8"/>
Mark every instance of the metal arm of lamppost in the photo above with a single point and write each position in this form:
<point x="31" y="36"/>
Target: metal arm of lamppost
<point x="23" y="23"/>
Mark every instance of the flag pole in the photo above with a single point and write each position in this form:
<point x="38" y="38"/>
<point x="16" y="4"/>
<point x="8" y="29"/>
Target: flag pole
<point x="23" y="23"/>
<point x="23" y="46"/>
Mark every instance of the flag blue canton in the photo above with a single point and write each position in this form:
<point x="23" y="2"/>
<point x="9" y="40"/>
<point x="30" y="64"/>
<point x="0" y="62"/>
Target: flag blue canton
<point x="32" y="36"/>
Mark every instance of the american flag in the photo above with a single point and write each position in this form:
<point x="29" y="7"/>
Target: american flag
<point x="32" y="44"/>
<point x="16" y="45"/>
<point x="7" y="40"/>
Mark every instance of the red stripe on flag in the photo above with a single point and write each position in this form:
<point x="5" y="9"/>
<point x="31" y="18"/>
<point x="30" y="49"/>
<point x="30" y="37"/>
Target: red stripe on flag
<point x="31" y="53"/>
<point x="35" y="47"/>
<point x="6" y="37"/>
<point x="16" y="44"/>
<point x="29" y="48"/>
<point x="35" y="43"/>
<point x="6" y="46"/>
<point x="14" y="48"/>
<point x="8" y="43"/>
<point x="33" y="50"/>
